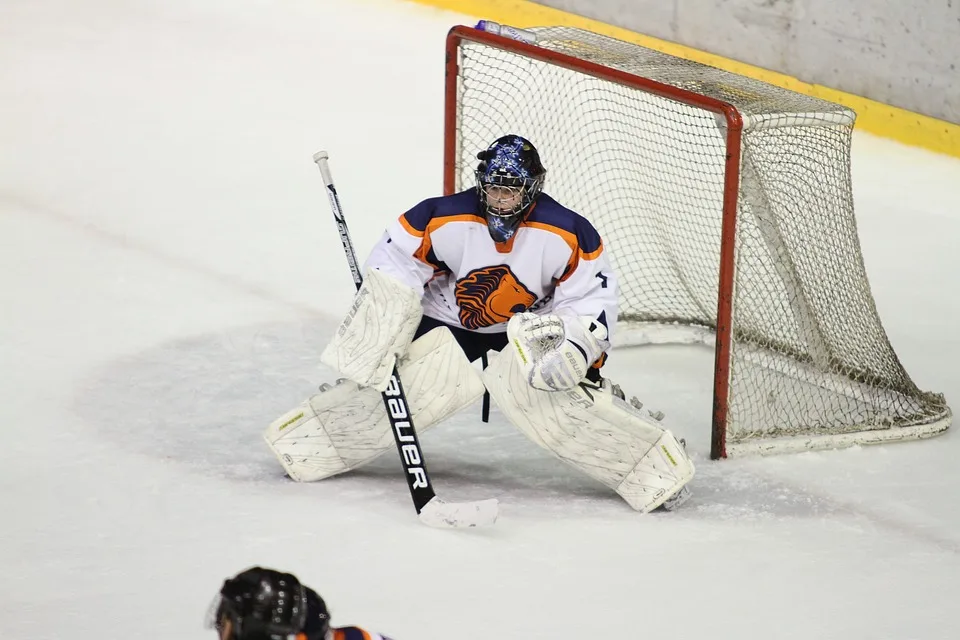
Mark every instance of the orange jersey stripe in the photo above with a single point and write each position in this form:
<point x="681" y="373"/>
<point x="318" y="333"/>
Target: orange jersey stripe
<point x="599" y="362"/>
<point x="593" y="255"/>
<point x="571" y="239"/>
<point x="409" y="228"/>
<point x="568" y="237"/>
<point x="438" y="222"/>
<point x="427" y="243"/>
<point x="350" y="633"/>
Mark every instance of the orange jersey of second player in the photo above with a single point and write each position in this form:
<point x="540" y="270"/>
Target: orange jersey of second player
<point x="554" y="263"/>
<point x="354" y="633"/>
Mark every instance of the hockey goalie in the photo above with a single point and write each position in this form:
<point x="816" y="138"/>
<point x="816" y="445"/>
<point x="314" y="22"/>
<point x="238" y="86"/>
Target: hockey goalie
<point x="500" y="270"/>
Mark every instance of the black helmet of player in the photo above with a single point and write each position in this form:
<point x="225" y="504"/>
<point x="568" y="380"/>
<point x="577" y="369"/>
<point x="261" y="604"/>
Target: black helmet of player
<point x="509" y="181"/>
<point x="262" y="604"/>
<point x="318" y="618"/>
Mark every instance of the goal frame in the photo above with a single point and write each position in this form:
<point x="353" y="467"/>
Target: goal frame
<point x="731" y="182"/>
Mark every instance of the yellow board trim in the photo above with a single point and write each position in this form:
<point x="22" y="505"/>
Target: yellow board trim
<point x="872" y="116"/>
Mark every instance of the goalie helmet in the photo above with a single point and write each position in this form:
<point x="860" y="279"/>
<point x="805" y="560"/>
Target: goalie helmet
<point x="263" y="604"/>
<point x="509" y="179"/>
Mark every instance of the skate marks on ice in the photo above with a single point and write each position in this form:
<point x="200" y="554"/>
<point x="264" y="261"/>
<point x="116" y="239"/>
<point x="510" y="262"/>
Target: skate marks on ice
<point x="854" y="486"/>
<point x="494" y="459"/>
<point x="204" y="401"/>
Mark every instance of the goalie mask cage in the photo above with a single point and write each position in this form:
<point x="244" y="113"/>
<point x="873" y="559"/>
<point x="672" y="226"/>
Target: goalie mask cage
<point x="727" y="209"/>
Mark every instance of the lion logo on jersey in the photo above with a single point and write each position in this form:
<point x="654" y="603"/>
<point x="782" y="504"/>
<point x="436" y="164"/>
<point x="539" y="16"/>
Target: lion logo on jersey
<point x="490" y="295"/>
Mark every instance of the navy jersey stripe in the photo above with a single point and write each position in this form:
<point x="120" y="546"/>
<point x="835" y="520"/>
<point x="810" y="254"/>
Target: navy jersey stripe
<point x="457" y="204"/>
<point x="549" y="211"/>
<point x="439" y="266"/>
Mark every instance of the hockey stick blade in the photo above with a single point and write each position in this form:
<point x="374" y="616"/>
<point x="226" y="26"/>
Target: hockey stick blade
<point x="459" y="515"/>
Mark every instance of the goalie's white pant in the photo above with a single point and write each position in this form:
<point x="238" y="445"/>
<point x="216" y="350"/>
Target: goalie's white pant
<point x="596" y="432"/>
<point x="346" y="426"/>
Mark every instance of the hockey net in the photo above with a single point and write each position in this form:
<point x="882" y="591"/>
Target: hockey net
<point x="726" y="206"/>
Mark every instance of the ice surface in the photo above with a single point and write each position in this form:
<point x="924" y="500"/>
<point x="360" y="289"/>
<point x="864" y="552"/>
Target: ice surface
<point x="170" y="272"/>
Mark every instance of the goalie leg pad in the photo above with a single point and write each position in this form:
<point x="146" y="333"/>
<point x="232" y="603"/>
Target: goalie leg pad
<point x="660" y="474"/>
<point x="346" y="426"/>
<point x="596" y="432"/>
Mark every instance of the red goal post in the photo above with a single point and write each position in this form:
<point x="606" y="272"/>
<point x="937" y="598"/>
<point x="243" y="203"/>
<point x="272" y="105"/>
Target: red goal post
<point x="727" y="208"/>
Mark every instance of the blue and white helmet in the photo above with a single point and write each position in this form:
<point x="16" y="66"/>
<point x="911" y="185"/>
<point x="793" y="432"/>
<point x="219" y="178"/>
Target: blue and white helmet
<point x="509" y="179"/>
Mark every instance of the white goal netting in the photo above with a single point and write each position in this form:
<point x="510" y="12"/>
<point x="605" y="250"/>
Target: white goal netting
<point x="810" y="365"/>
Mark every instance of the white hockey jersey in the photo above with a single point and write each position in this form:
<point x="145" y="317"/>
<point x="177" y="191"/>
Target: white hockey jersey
<point x="554" y="263"/>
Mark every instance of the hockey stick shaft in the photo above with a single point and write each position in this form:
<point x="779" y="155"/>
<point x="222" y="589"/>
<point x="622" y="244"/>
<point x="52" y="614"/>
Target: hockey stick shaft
<point x="394" y="398"/>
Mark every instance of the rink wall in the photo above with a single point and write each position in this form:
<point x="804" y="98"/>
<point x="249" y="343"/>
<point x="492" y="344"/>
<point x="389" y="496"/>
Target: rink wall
<point x="661" y="17"/>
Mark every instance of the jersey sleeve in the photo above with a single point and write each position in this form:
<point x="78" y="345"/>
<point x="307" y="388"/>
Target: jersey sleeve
<point x="588" y="285"/>
<point x="403" y="251"/>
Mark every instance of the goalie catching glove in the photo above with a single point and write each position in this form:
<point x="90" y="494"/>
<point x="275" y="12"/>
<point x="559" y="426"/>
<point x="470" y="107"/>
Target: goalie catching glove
<point x="555" y="351"/>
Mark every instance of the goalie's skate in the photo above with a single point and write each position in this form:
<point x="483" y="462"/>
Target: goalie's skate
<point x="676" y="500"/>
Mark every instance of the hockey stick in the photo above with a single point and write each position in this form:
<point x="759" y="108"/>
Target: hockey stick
<point x="432" y="510"/>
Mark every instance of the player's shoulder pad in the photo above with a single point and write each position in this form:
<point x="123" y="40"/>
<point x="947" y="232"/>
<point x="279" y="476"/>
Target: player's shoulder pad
<point x="355" y="633"/>
<point x="416" y="219"/>
<point x="551" y="213"/>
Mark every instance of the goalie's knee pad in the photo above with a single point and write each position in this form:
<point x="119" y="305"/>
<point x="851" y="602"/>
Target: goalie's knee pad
<point x="345" y="426"/>
<point x="593" y="429"/>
